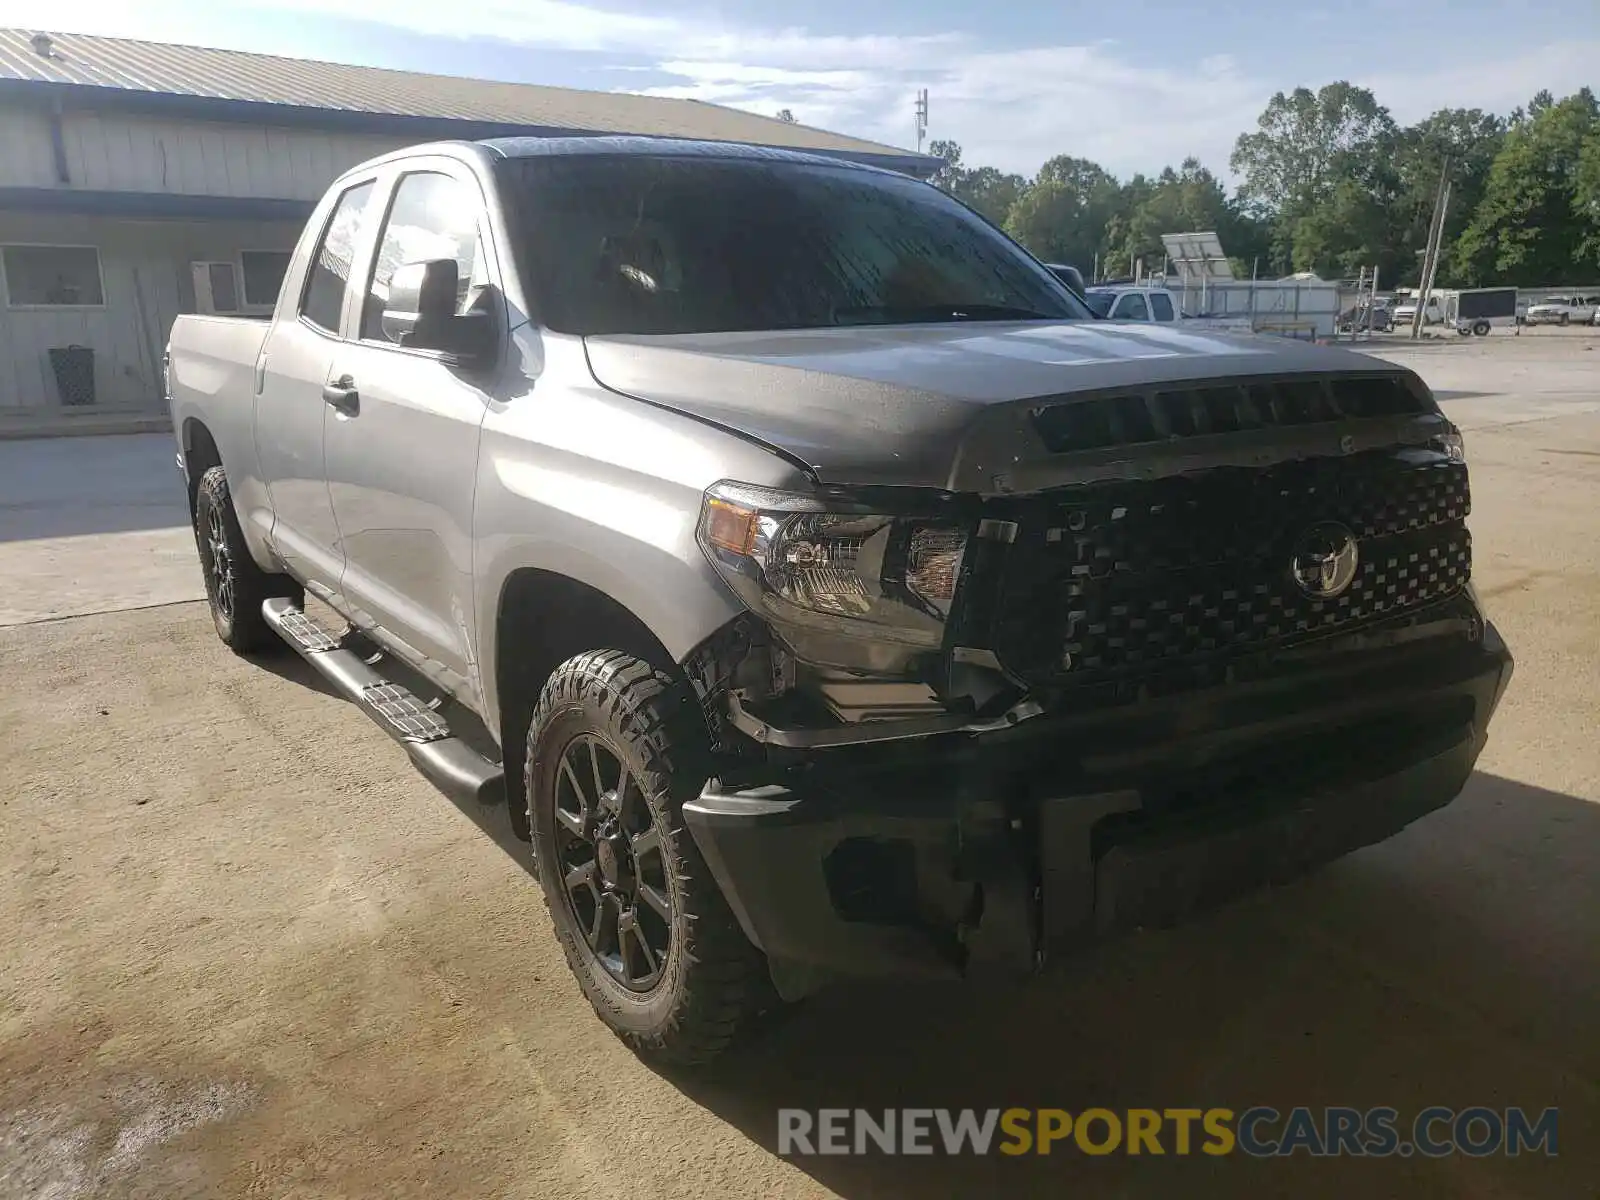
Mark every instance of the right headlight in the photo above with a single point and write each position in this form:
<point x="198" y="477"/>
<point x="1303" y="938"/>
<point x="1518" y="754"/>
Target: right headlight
<point x="799" y="560"/>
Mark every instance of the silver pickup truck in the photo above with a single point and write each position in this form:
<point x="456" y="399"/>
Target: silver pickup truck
<point x="826" y="593"/>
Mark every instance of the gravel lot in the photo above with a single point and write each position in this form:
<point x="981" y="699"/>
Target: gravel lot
<point x="249" y="952"/>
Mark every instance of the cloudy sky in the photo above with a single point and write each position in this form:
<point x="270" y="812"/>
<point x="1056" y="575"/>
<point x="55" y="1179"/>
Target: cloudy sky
<point x="1133" y="84"/>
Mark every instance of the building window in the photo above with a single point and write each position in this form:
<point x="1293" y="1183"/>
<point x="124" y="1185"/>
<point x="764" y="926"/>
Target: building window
<point x="52" y="276"/>
<point x="263" y="272"/>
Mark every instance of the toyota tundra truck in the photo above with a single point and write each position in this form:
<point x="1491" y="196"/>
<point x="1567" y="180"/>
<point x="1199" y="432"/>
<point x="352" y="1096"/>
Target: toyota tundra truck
<point x="823" y="590"/>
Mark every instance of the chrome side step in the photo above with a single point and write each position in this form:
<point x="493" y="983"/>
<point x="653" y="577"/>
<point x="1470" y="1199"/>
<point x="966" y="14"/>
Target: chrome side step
<point x="454" y="767"/>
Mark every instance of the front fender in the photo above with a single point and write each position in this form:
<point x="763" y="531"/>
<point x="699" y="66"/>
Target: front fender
<point x="605" y="490"/>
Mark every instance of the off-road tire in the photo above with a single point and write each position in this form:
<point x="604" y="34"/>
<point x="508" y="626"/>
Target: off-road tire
<point x="235" y="598"/>
<point x="714" y="982"/>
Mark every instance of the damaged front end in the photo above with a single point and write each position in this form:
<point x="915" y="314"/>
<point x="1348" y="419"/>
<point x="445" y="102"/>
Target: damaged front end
<point x="957" y="732"/>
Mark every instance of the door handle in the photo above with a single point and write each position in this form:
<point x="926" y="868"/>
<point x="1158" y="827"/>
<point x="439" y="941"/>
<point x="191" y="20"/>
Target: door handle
<point x="341" y="395"/>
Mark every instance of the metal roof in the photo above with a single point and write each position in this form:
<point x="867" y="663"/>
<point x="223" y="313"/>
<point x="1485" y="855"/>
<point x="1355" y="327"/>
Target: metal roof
<point x="76" y="61"/>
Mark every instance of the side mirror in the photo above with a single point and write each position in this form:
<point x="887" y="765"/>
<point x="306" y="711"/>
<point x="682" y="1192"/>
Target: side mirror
<point x="420" y="313"/>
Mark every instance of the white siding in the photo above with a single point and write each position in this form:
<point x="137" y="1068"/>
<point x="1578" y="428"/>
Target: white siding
<point x="145" y="264"/>
<point x="145" y="268"/>
<point x="118" y="152"/>
<point x="26" y="159"/>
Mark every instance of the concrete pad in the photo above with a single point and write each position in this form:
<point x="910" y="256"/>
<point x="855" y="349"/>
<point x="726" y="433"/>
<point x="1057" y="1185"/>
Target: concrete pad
<point x="248" y="951"/>
<point x="92" y="524"/>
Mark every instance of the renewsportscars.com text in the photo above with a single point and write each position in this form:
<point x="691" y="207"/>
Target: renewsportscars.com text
<point x="1260" y="1131"/>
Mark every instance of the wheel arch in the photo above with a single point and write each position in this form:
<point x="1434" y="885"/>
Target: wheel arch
<point x="543" y="618"/>
<point x="200" y="454"/>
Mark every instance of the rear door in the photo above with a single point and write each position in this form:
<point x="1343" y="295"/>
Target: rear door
<point x="290" y="376"/>
<point x="1161" y="307"/>
<point x="402" y="457"/>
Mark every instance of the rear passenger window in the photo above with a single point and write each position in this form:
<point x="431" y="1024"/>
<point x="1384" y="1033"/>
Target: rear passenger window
<point x="1132" y="308"/>
<point x="323" y="298"/>
<point x="1161" y="303"/>
<point x="433" y="216"/>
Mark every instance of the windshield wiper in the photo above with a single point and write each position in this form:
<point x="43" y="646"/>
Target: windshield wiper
<point x="888" y="314"/>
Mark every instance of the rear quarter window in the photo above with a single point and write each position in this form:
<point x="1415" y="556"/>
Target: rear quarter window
<point x="322" y="302"/>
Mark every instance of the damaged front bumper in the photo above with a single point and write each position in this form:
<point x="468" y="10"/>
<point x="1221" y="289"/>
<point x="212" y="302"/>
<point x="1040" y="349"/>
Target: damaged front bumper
<point x="961" y="855"/>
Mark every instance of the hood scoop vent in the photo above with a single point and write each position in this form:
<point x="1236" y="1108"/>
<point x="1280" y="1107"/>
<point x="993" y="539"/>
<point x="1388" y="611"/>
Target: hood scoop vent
<point x="1175" y="411"/>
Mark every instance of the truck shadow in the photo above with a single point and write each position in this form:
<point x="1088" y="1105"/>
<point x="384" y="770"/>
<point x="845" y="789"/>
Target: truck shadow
<point x="492" y="819"/>
<point x="1454" y="965"/>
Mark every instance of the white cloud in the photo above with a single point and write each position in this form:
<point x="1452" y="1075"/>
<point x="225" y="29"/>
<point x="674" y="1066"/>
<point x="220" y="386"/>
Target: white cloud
<point x="1495" y="86"/>
<point x="1011" y="108"/>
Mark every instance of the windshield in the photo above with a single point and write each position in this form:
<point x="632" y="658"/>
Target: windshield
<point x="1100" y="302"/>
<point x="644" y="244"/>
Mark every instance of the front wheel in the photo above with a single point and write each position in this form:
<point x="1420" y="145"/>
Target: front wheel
<point x="235" y="585"/>
<point x="615" y="748"/>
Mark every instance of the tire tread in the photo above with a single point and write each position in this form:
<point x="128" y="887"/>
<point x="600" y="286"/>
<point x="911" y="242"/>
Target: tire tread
<point x="724" y="975"/>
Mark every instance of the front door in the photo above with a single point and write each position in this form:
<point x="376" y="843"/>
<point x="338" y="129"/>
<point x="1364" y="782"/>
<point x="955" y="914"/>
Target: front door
<point x="290" y="406"/>
<point x="402" y="461"/>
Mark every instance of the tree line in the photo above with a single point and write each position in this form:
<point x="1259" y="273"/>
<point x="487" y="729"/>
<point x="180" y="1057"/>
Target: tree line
<point x="1329" y="182"/>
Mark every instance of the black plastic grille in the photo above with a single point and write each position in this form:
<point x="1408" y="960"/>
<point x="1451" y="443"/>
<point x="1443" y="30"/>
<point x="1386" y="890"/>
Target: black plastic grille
<point x="1161" y="414"/>
<point x="1111" y="580"/>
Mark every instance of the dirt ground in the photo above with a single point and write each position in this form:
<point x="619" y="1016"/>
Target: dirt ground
<point x="248" y="952"/>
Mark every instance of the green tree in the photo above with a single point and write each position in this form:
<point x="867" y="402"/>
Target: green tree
<point x="947" y="176"/>
<point x="991" y="191"/>
<point x="1186" y="200"/>
<point x="1304" y="141"/>
<point x="1348" y="230"/>
<point x="1063" y="215"/>
<point x="1531" y="226"/>
<point x="1469" y="139"/>
<point x="1586" y="200"/>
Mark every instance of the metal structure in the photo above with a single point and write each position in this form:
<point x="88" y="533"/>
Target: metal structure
<point x="922" y="117"/>
<point x="1358" y="302"/>
<point x="1430" y="258"/>
<point x="1197" y="256"/>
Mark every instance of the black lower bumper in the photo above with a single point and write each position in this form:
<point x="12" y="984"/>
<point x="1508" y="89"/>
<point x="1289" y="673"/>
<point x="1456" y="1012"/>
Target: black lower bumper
<point x="959" y="861"/>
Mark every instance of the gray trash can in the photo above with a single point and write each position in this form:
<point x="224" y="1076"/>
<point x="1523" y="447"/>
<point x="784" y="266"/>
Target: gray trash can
<point x="74" y="371"/>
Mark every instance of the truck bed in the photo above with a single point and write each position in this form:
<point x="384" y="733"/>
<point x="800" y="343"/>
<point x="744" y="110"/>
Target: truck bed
<point x="213" y="359"/>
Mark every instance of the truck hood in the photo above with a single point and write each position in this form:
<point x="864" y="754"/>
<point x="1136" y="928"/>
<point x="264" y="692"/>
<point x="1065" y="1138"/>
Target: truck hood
<point x="946" y="406"/>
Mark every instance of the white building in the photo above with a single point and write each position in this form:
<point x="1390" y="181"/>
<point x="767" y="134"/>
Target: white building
<point x="139" y="181"/>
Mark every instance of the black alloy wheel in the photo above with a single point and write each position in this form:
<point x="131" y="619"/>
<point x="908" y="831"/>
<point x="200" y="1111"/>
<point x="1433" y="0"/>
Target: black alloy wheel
<point x="235" y="584"/>
<point x="609" y="856"/>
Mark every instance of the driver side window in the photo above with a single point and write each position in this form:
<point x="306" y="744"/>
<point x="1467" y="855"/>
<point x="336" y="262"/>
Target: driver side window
<point x="432" y="216"/>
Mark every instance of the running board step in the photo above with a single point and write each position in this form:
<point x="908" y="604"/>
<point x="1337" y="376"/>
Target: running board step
<point x="454" y="767"/>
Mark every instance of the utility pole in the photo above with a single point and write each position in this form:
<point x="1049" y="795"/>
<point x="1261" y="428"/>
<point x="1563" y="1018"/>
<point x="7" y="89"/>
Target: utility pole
<point x="922" y="117"/>
<point x="1431" y="249"/>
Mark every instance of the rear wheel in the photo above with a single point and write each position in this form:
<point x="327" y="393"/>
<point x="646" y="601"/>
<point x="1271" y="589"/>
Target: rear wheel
<point x="1563" y="319"/>
<point x="614" y="750"/>
<point x="1481" y="329"/>
<point x="235" y="585"/>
